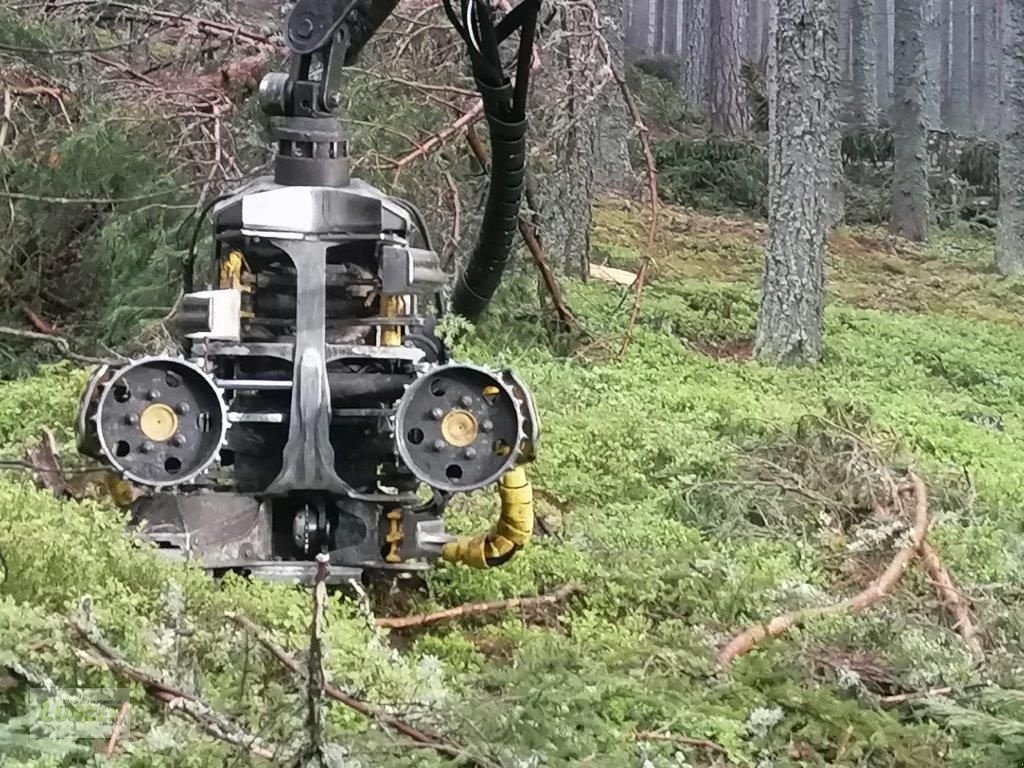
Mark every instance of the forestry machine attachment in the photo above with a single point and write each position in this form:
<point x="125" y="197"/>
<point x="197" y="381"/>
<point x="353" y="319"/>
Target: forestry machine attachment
<point x="311" y="407"/>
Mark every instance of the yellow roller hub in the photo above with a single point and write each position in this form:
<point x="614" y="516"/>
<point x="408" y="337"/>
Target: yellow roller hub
<point x="460" y="428"/>
<point x="159" y="422"/>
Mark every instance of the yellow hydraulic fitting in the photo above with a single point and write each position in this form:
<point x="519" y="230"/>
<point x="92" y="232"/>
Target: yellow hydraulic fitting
<point x="510" y="533"/>
<point x="233" y="274"/>
<point x="391" y="335"/>
<point x="395" y="536"/>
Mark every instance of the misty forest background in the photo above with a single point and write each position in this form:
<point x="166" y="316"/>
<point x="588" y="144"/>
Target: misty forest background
<point x="768" y="298"/>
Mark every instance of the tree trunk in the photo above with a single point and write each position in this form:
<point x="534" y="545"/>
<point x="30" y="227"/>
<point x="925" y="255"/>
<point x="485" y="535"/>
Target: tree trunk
<point x="639" y="19"/>
<point x="672" y="27"/>
<point x="960" y="68"/>
<point x="993" y="70"/>
<point x="844" y="28"/>
<point x="683" y="10"/>
<point x="755" y="20"/>
<point x="864" y="86"/>
<point x="933" y="55"/>
<point x="802" y="103"/>
<point x="695" y="79"/>
<point x="728" y="104"/>
<point x="910" y="135"/>
<point x="883" y="58"/>
<point x="1010" y="232"/>
<point x="612" y="168"/>
<point x="659" y="26"/>
<point x="979" y="64"/>
<point x="945" y="90"/>
<point x="564" y="197"/>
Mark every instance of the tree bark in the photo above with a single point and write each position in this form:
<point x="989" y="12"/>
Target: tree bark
<point x="960" y="68"/>
<point x="979" y="64"/>
<point x="933" y="55"/>
<point x="802" y="87"/>
<point x="993" y="70"/>
<point x="681" y="11"/>
<point x="728" y="105"/>
<point x="844" y="29"/>
<point x="659" y="26"/>
<point x="672" y="27"/>
<point x="864" y="86"/>
<point x="945" y="43"/>
<point x="565" y="92"/>
<point x="910" y="134"/>
<point x="882" y="16"/>
<point x="612" y="168"/>
<point x="755" y="20"/>
<point x="1010" y="230"/>
<point x="695" y="76"/>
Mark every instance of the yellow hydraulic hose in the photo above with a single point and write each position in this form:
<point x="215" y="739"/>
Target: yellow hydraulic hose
<point x="510" y="533"/>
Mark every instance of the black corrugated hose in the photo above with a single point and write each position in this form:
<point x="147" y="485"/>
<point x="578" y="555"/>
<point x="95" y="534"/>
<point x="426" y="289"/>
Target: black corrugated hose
<point x="505" y="110"/>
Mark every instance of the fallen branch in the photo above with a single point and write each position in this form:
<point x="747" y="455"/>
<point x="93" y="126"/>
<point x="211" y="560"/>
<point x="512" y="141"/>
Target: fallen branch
<point x="125" y="69"/>
<point x="687" y="740"/>
<point x="478" y="609"/>
<point x="877" y="591"/>
<point x="200" y="25"/>
<point x="902" y="698"/>
<point x="437" y="743"/>
<point x="315" y="677"/>
<point x="952" y="600"/>
<point x="115" y="734"/>
<point x="35" y="90"/>
<point x="58" y="341"/>
<point x="5" y="119"/>
<point x="178" y="702"/>
<point x="38" y="322"/>
<point x="465" y="121"/>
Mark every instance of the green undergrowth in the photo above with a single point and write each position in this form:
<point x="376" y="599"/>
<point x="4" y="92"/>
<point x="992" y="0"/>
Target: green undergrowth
<point x="866" y="267"/>
<point x="688" y="490"/>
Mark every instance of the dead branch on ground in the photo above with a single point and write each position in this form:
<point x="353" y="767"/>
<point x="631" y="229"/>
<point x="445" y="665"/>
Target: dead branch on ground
<point x="951" y="599"/>
<point x="315" y="668"/>
<point x="432" y="741"/>
<point x="903" y="698"/>
<point x="115" y="734"/>
<point x="686" y="740"/>
<point x="62" y="344"/>
<point x="176" y="701"/>
<point x="875" y="592"/>
<point x="468" y="610"/>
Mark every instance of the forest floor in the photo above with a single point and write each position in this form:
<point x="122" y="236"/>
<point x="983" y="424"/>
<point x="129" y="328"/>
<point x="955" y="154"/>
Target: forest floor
<point x="690" y="492"/>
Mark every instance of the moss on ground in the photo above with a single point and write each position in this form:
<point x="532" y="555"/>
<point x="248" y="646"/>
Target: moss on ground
<point x="651" y="468"/>
<point x="867" y="267"/>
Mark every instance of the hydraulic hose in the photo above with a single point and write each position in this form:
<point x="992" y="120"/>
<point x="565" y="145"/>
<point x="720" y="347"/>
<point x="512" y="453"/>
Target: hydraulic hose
<point x="505" y="111"/>
<point x="510" y="533"/>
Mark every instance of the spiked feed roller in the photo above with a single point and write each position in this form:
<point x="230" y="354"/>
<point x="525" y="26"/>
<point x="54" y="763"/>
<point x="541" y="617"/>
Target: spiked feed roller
<point x="310" y="406"/>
